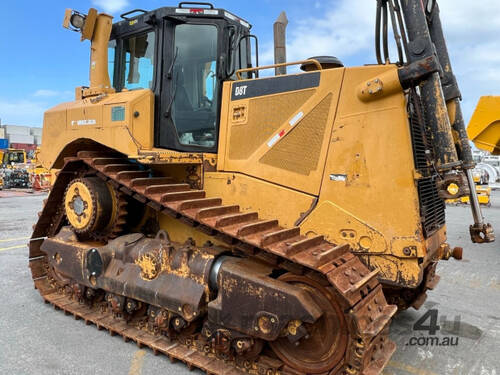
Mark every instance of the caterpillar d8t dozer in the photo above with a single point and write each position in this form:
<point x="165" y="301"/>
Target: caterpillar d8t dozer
<point x="243" y="224"/>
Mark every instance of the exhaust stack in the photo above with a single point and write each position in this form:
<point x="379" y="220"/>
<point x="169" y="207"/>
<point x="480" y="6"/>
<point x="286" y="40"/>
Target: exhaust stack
<point x="279" y="29"/>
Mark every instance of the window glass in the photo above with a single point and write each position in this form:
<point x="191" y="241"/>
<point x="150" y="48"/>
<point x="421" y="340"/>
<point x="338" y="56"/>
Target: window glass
<point x="195" y="84"/>
<point x="111" y="59"/>
<point x="138" y="56"/>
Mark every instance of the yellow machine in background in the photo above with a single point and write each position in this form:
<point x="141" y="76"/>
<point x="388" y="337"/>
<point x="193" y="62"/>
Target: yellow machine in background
<point x="265" y="225"/>
<point x="483" y="195"/>
<point x="484" y="125"/>
<point x="11" y="157"/>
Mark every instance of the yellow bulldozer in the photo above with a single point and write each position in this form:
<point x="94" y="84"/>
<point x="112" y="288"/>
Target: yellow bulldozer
<point x="244" y="224"/>
<point x="11" y="157"/>
<point x="484" y="125"/>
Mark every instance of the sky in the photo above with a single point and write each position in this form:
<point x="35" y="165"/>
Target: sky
<point x="41" y="63"/>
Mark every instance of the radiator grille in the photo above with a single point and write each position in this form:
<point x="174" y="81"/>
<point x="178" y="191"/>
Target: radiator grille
<point x="419" y="135"/>
<point x="432" y="208"/>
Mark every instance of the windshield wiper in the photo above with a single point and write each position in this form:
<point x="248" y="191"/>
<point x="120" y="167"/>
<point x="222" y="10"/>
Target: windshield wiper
<point x="169" y="73"/>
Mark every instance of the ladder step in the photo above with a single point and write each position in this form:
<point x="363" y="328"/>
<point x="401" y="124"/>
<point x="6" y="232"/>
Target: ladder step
<point x="206" y="213"/>
<point x="166" y="188"/>
<point x="142" y="182"/>
<point x="114" y="168"/>
<point x="254" y="228"/>
<point x="279" y="236"/>
<point x="128" y="175"/>
<point x="199" y="203"/>
<point x="238" y="218"/>
<point x="182" y="196"/>
<point x="304" y="244"/>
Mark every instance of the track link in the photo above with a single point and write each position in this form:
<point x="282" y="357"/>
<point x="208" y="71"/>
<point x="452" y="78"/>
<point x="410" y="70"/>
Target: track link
<point x="359" y="291"/>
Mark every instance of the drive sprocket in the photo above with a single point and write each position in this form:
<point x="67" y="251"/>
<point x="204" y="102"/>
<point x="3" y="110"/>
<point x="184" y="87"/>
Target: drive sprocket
<point x="94" y="208"/>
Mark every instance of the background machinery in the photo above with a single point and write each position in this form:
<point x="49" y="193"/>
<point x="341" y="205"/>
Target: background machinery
<point x="13" y="173"/>
<point x="484" y="125"/>
<point x="245" y="224"/>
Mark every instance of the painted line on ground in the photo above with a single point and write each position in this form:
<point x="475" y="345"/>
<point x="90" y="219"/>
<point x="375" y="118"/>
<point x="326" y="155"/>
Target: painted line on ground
<point x="15" y="239"/>
<point x="136" y="365"/>
<point x="12" y="247"/>
<point x="412" y="370"/>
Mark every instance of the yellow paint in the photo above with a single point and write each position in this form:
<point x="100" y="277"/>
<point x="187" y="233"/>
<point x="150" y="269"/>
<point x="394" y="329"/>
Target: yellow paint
<point x="15" y="239"/>
<point x="412" y="370"/>
<point x="149" y="264"/>
<point x="137" y="362"/>
<point x="343" y="167"/>
<point x="251" y="194"/>
<point x="248" y="147"/>
<point x="73" y="122"/>
<point x="81" y="190"/>
<point x="484" y="125"/>
<point x="12" y="247"/>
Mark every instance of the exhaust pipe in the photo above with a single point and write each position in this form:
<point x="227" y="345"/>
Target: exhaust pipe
<point x="279" y="29"/>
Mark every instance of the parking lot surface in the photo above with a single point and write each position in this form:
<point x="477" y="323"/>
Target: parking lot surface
<point x="36" y="339"/>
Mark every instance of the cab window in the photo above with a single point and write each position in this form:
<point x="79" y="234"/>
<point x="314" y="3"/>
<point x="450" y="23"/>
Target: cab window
<point x="111" y="60"/>
<point x="138" y="53"/>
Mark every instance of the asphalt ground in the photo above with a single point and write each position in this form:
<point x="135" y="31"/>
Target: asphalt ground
<point x="457" y="331"/>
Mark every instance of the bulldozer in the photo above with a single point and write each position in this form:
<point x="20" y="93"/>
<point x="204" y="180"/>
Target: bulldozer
<point x="11" y="156"/>
<point x="245" y="224"/>
<point x="484" y="125"/>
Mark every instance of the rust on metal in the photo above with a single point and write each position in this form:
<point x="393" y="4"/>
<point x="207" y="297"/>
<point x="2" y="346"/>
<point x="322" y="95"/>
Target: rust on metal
<point x="321" y="284"/>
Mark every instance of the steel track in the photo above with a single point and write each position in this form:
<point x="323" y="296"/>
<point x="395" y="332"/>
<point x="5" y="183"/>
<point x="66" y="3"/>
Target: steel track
<point x="358" y="290"/>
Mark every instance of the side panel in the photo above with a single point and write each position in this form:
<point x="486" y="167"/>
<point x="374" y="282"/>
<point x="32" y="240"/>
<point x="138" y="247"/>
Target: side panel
<point x="251" y="194"/>
<point x="368" y="196"/>
<point x="278" y="129"/>
<point x="121" y="121"/>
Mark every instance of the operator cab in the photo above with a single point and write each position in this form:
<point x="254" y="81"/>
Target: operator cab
<point x="11" y="157"/>
<point x="183" y="54"/>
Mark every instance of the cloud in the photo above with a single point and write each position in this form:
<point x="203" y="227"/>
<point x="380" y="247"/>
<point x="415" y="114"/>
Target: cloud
<point x="111" y="6"/>
<point x="46" y="93"/>
<point x="22" y="112"/>
<point x="345" y="28"/>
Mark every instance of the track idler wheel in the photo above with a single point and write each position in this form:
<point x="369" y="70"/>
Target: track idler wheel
<point x="323" y="348"/>
<point x="94" y="208"/>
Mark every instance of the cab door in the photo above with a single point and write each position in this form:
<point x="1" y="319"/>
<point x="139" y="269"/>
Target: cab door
<point x="188" y="112"/>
